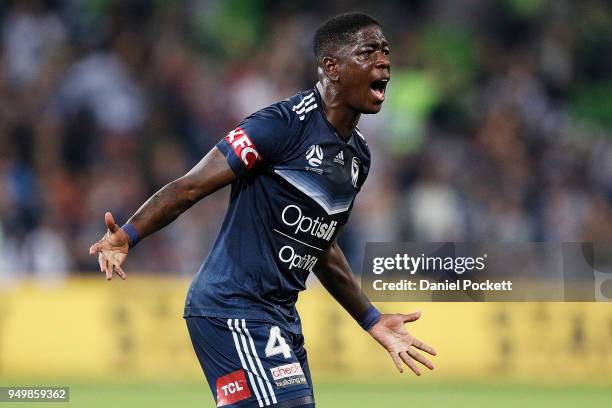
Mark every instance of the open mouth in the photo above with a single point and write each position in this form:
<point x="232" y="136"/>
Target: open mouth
<point x="378" y="88"/>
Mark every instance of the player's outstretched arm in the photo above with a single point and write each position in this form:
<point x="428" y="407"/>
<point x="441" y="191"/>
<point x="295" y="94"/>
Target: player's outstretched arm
<point x="208" y="176"/>
<point x="388" y="330"/>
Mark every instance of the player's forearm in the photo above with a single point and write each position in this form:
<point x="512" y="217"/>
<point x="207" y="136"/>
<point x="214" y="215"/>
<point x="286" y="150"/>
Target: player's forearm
<point x="336" y="275"/>
<point x="162" y="208"/>
<point x="206" y="177"/>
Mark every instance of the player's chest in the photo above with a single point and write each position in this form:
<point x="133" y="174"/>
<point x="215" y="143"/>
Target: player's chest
<point x="326" y="172"/>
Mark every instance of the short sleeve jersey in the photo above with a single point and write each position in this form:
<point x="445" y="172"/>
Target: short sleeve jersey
<point x="296" y="181"/>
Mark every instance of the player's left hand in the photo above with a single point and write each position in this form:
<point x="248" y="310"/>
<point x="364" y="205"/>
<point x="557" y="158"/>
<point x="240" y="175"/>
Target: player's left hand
<point x="112" y="249"/>
<point x="391" y="333"/>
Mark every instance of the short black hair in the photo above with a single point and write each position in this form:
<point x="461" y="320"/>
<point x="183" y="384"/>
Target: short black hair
<point x="337" y="31"/>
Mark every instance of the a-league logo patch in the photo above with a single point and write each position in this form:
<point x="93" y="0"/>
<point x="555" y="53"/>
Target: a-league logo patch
<point x="232" y="388"/>
<point x="314" y="155"/>
<point x="243" y="147"/>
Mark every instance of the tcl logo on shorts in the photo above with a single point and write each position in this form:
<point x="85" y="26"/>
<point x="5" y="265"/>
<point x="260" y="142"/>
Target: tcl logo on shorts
<point x="232" y="388"/>
<point x="287" y="370"/>
<point x="243" y="147"/>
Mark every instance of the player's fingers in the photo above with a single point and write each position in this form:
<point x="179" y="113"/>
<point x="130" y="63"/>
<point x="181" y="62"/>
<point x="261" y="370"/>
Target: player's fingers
<point x="419" y="357"/>
<point x="411" y="317"/>
<point x="110" y="222"/>
<point x="424" y="347"/>
<point x="101" y="261"/>
<point x="410" y="362"/>
<point x="116" y="264"/>
<point x="120" y="272"/>
<point x="397" y="361"/>
<point x="109" y="269"/>
<point x="97" y="247"/>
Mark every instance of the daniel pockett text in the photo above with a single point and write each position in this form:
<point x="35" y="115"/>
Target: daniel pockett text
<point x="425" y="263"/>
<point x="527" y="271"/>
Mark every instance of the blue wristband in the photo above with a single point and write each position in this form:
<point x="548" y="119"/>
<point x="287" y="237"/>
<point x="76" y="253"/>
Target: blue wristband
<point x="132" y="234"/>
<point x="370" y="318"/>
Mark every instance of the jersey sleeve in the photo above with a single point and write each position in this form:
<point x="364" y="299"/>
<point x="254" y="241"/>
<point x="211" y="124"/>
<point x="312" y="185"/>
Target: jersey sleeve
<point x="259" y="140"/>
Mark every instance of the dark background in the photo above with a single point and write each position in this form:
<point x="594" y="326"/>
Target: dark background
<point x="497" y="124"/>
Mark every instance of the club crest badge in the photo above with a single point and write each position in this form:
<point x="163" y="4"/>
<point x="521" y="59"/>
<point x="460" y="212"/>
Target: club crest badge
<point x="355" y="171"/>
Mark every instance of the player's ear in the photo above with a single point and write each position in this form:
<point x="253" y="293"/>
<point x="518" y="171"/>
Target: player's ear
<point x="330" y="68"/>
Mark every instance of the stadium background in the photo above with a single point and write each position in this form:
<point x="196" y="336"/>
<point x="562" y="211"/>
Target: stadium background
<point x="497" y="127"/>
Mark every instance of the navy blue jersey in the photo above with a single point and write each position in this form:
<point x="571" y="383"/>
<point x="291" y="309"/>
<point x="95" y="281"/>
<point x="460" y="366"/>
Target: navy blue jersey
<point x="295" y="187"/>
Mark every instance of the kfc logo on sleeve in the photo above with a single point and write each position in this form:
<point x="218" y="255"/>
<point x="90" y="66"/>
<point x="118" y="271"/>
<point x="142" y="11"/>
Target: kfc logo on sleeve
<point x="232" y="388"/>
<point x="243" y="147"/>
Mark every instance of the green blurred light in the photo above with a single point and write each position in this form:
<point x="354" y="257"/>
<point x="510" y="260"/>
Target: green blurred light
<point x="232" y="27"/>
<point x="412" y="96"/>
<point x="592" y="102"/>
<point x="525" y="8"/>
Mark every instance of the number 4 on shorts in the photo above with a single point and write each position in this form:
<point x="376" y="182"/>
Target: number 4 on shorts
<point x="276" y="344"/>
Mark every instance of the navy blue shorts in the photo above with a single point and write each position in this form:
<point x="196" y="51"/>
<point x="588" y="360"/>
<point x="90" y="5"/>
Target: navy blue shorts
<point x="250" y="363"/>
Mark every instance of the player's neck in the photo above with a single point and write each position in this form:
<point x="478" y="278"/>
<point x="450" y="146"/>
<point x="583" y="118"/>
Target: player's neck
<point x="342" y="118"/>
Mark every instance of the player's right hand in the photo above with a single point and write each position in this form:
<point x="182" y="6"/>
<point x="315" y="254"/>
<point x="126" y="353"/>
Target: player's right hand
<point x="401" y="345"/>
<point x="112" y="249"/>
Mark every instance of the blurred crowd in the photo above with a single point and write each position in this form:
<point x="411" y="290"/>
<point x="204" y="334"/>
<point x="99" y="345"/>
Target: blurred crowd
<point x="497" y="124"/>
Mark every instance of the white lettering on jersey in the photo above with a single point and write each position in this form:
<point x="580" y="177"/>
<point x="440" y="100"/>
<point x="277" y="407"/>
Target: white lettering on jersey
<point x="242" y="145"/>
<point x="306" y="262"/>
<point x="292" y="216"/>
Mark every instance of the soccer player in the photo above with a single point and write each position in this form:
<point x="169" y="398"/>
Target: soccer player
<point x="295" y="168"/>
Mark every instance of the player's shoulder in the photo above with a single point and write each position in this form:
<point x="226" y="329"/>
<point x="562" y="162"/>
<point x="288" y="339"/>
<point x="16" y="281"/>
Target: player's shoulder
<point x="301" y="104"/>
<point x="290" y="112"/>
